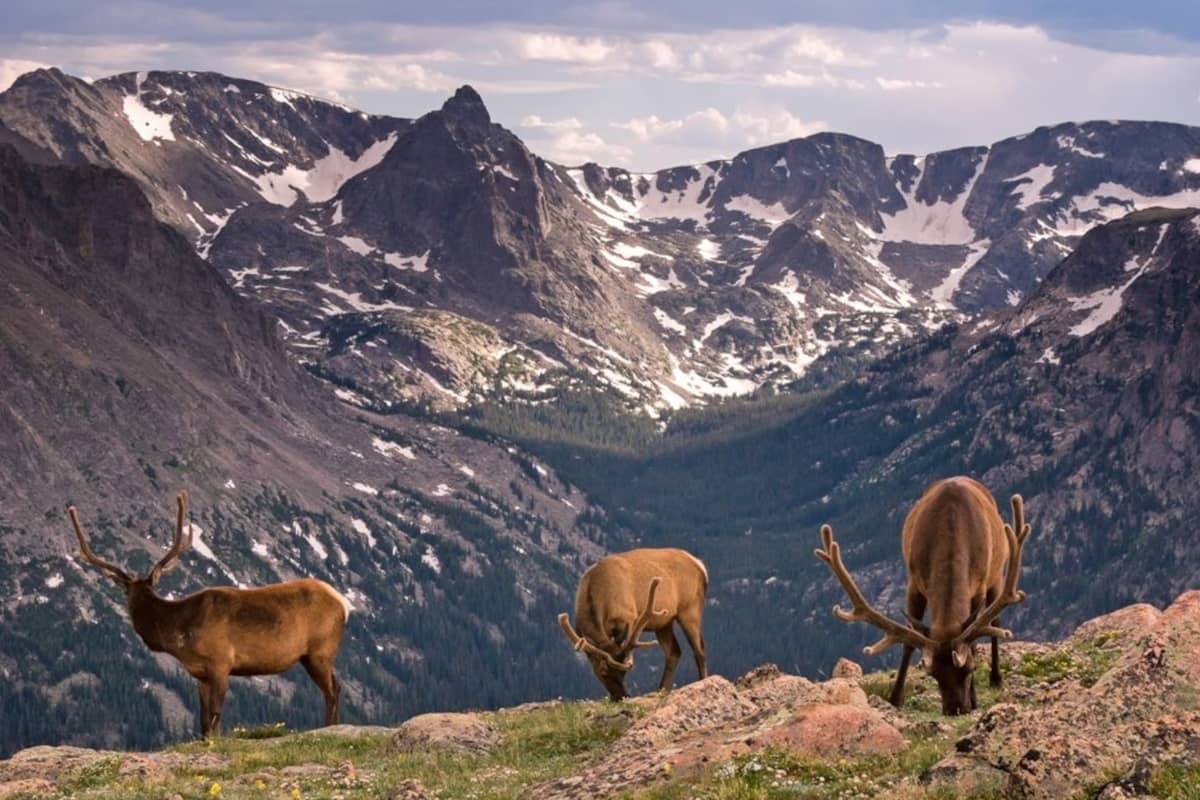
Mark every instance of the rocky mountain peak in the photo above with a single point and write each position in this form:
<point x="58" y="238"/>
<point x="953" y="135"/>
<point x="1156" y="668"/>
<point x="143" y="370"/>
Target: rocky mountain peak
<point x="466" y="107"/>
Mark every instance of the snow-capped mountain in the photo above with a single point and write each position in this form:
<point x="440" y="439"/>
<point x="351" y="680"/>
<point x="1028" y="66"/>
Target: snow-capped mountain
<point x="439" y="259"/>
<point x="201" y="145"/>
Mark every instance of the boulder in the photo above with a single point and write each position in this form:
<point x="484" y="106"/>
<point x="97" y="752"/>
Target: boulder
<point x="465" y="734"/>
<point x="411" y="789"/>
<point x="25" y="787"/>
<point x="965" y="776"/>
<point x="845" y="668"/>
<point x="829" y="730"/>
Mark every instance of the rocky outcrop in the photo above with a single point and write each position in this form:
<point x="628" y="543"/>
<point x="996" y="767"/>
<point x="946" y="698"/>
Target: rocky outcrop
<point x="1139" y="714"/>
<point x="706" y="723"/>
<point x="462" y="734"/>
<point x="1100" y="714"/>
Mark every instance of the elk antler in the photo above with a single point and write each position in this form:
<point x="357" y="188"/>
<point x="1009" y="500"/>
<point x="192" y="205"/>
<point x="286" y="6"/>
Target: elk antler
<point x="114" y="572"/>
<point x="582" y="644"/>
<point x="893" y="632"/>
<point x="1016" y="534"/>
<point x="171" y="559"/>
<point x="648" y="613"/>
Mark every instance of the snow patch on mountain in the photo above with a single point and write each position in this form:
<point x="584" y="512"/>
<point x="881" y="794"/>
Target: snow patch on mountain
<point x="940" y="222"/>
<point x="943" y="293"/>
<point x="682" y="204"/>
<point x="1029" y="185"/>
<point x="324" y="178"/>
<point x="149" y="124"/>
<point x="1104" y="304"/>
<point x="774" y="214"/>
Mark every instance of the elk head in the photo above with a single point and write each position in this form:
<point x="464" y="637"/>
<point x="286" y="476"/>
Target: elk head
<point x="132" y="586"/>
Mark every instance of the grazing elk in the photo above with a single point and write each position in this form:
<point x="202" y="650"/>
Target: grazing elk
<point x="622" y="595"/>
<point x="955" y="547"/>
<point x="225" y="631"/>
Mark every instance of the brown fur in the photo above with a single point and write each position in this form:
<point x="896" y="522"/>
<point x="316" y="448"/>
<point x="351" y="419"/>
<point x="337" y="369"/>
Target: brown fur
<point x="955" y="548"/>
<point x="223" y="631"/>
<point x="963" y="564"/>
<point x="612" y="595"/>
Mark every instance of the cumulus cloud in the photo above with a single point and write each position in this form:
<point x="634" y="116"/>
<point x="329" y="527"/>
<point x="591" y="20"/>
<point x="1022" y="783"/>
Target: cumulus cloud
<point x="744" y="127"/>
<point x="899" y="84"/>
<point x="663" y="96"/>
<point x="557" y="47"/>
<point x="573" y="146"/>
<point x="535" y="121"/>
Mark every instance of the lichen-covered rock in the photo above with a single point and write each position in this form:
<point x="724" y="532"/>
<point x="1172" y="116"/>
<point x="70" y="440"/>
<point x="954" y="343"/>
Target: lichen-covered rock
<point x="411" y="789"/>
<point x="708" y="722"/>
<point x="845" y="668"/>
<point x="966" y="776"/>
<point x="470" y="734"/>
<point x="829" y="730"/>
<point x="1139" y="710"/>
<point x="56" y="763"/>
<point x="25" y="787"/>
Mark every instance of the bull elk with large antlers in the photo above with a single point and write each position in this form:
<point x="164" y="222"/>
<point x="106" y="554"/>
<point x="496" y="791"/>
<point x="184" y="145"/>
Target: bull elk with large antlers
<point x="624" y="594"/>
<point x="956" y="549"/>
<point x="223" y="631"/>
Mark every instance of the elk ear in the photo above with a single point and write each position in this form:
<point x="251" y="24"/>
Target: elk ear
<point x="961" y="655"/>
<point x="926" y="660"/>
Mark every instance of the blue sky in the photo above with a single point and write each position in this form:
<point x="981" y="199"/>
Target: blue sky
<point x="649" y="85"/>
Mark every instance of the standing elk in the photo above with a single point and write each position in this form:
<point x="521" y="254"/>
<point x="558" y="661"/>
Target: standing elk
<point x="622" y="595"/>
<point x="955" y="547"/>
<point x="223" y="631"/>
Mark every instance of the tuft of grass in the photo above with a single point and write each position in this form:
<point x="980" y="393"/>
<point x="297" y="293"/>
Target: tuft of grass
<point x="536" y="745"/>
<point x="1176" y="782"/>
<point x="99" y="773"/>
<point x="271" y="730"/>
<point x="1086" y="663"/>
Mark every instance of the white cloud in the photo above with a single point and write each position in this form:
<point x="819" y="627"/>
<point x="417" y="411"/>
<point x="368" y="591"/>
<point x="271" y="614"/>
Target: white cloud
<point x="773" y="125"/>
<point x="535" y="121"/>
<point x="557" y="47"/>
<point x="900" y="84"/>
<point x="572" y="146"/>
<point x="744" y="127"/>
<point x="618" y="92"/>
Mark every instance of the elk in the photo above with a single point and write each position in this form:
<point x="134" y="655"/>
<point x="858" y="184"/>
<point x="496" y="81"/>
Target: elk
<point x="223" y="631"/>
<point x="622" y="595"/>
<point x="956" y="548"/>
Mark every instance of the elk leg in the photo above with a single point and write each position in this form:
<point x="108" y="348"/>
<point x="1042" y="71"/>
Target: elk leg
<point x="914" y="603"/>
<point x="974" y="702"/>
<point x="320" y="669"/>
<point x="671" y="653"/>
<point x="690" y="623"/>
<point x="218" y="685"/>
<point x="994" y="678"/>
<point x="896" y="698"/>
<point x="205" y="707"/>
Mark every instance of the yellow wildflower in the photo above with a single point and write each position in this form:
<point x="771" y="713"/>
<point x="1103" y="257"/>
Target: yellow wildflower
<point x="214" y="790"/>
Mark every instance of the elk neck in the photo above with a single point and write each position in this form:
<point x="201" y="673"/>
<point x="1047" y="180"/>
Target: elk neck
<point x="158" y="621"/>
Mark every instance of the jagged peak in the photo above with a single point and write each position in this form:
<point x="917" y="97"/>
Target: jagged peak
<point x="467" y="106"/>
<point x="42" y="76"/>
